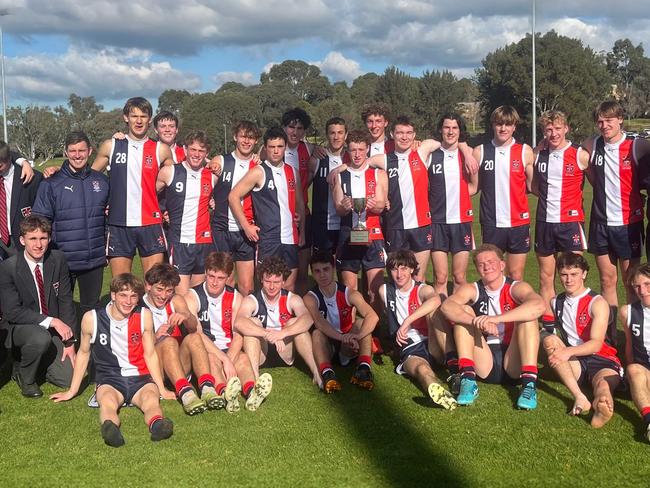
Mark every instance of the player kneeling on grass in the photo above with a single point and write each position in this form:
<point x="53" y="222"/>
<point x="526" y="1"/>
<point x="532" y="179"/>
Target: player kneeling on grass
<point x="495" y="329"/>
<point x="216" y="305"/>
<point x="179" y="348"/>
<point x="331" y="305"/>
<point x="275" y="317"/>
<point x="121" y="340"/>
<point x="410" y="307"/>
<point x="636" y="318"/>
<point x="581" y="347"/>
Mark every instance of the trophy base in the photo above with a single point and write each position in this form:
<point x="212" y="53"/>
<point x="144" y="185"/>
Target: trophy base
<point x="359" y="237"/>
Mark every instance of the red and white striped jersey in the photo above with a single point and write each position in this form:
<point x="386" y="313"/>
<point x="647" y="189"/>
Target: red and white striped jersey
<point x="495" y="302"/>
<point x="408" y="191"/>
<point x="187" y="197"/>
<point x="386" y="146"/>
<point x="361" y="184"/>
<point x="617" y="200"/>
<point x="573" y="321"/>
<point x="336" y="309"/>
<point x="449" y="199"/>
<point x="216" y="314"/>
<point x="298" y="159"/>
<point x="274" y="204"/>
<point x="233" y="170"/>
<point x="117" y="344"/>
<point x="399" y="305"/>
<point x="178" y="153"/>
<point x="133" y="169"/>
<point x="273" y="315"/>
<point x="502" y="179"/>
<point x="559" y="181"/>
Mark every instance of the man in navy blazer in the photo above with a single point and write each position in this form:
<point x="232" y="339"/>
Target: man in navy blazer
<point x="18" y="183"/>
<point x="38" y="312"/>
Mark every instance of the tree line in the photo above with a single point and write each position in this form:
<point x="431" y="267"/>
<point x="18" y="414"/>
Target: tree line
<point x="570" y="77"/>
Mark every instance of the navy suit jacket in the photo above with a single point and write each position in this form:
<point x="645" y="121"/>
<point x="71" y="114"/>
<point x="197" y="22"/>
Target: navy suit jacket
<point x="19" y="296"/>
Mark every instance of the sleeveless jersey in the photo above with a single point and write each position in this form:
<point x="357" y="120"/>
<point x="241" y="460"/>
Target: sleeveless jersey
<point x="638" y="321"/>
<point x="178" y="154"/>
<point x="496" y="302"/>
<point x="400" y="305"/>
<point x="361" y="184"/>
<point x="447" y="177"/>
<point x="502" y="178"/>
<point x="117" y="344"/>
<point x="160" y="316"/>
<point x="573" y="322"/>
<point x="336" y="309"/>
<point x="275" y="204"/>
<point x="298" y="159"/>
<point x="323" y="210"/>
<point x="408" y="188"/>
<point x="188" y="198"/>
<point x="132" y="170"/>
<point x="215" y="314"/>
<point x="273" y="316"/>
<point x="233" y="170"/>
<point x="386" y="146"/>
<point x="617" y="200"/>
<point x="560" y="181"/>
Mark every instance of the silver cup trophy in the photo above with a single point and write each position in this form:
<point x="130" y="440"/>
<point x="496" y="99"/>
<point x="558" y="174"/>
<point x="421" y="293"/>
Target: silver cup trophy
<point x="359" y="234"/>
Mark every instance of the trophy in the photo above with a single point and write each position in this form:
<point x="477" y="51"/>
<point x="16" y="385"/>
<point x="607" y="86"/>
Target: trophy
<point x="359" y="234"/>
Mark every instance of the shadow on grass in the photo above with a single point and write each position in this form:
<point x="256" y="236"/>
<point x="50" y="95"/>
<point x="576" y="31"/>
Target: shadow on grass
<point x="396" y="448"/>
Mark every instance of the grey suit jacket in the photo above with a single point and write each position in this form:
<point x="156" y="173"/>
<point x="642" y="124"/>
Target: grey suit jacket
<point x="19" y="297"/>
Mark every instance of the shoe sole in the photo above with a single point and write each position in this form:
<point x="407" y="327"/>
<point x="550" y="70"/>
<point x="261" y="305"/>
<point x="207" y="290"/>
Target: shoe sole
<point x="364" y="385"/>
<point x="262" y="389"/>
<point x="195" y="408"/>
<point x="165" y="431"/>
<point x="215" y="402"/>
<point x="231" y="395"/>
<point x="330" y="386"/>
<point x="111" y="434"/>
<point x="441" y="397"/>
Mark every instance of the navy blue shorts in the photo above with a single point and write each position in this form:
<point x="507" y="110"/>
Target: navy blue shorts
<point x="420" y="350"/>
<point x="324" y="240"/>
<point x="415" y="240"/>
<point x="352" y="257"/>
<point x="622" y="241"/>
<point x="235" y="243"/>
<point x="122" y="242"/>
<point x="288" y="252"/>
<point x="128" y="386"/>
<point x="188" y="259"/>
<point x="554" y="237"/>
<point x="513" y="240"/>
<point x="498" y="374"/>
<point x="452" y="237"/>
<point x="592" y="364"/>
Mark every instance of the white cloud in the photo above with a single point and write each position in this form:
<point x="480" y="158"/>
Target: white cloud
<point x="243" y="77"/>
<point x="112" y="73"/>
<point x="339" y="68"/>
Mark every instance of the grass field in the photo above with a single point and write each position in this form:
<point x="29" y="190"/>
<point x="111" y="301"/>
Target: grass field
<point x="392" y="436"/>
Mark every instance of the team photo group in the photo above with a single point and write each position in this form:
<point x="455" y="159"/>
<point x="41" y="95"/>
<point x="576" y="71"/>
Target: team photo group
<point x="286" y="251"/>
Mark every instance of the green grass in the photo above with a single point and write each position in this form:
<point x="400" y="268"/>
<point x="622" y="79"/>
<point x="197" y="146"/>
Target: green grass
<point x="391" y="436"/>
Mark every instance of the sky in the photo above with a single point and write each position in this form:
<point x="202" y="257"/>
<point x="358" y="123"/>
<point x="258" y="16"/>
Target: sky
<point x="115" y="49"/>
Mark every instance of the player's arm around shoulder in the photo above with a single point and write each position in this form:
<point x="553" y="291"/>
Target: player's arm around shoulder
<point x="82" y="359"/>
<point x="103" y="155"/>
<point x="453" y="308"/>
<point x="165" y="155"/>
<point x="164" y="178"/>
